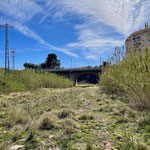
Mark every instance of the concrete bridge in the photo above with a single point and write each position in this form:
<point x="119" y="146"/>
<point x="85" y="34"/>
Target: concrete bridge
<point x="77" y="74"/>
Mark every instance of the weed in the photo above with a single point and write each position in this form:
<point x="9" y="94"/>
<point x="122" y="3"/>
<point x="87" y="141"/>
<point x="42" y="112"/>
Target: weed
<point x="64" y="114"/>
<point x="46" y="123"/>
<point x="31" y="142"/>
<point x="89" y="146"/>
<point x="85" y="117"/>
<point x="69" y="126"/>
<point x="17" y="132"/>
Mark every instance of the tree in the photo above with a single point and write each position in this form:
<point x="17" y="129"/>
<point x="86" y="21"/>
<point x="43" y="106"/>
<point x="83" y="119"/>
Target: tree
<point x="25" y="65"/>
<point x="43" y="65"/>
<point x="52" y="61"/>
<point x="31" y="66"/>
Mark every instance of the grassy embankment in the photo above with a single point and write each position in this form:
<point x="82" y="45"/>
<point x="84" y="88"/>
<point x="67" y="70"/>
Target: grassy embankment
<point x="24" y="80"/>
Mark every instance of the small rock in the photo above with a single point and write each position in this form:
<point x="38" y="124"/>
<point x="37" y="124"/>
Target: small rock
<point x="3" y="131"/>
<point x="51" y="136"/>
<point x="17" y="147"/>
<point x="22" y="140"/>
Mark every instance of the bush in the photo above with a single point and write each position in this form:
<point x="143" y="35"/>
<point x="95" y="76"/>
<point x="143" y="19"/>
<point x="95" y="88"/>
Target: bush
<point x="15" y="116"/>
<point x="64" y="114"/>
<point x="47" y="124"/>
<point x="89" y="146"/>
<point x="86" y="117"/>
<point x="69" y="126"/>
<point x="130" y="78"/>
<point x="23" y="80"/>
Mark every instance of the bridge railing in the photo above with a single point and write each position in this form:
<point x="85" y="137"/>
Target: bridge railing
<point x="68" y="69"/>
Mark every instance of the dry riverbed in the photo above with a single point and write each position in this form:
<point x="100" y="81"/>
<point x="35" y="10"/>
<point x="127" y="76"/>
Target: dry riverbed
<point x="81" y="118"/>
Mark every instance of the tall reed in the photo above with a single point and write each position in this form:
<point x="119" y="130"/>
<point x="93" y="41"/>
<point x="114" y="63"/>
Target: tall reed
<point x="130" y="78"/>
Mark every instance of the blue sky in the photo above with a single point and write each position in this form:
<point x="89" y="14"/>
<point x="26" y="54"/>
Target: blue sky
<point x="81" y="30"/>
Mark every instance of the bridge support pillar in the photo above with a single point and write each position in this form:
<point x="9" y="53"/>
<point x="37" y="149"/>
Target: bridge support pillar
<point x="75" y="81"/>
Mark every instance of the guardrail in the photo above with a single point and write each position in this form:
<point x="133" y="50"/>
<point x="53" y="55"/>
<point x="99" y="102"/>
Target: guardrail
<point x="69" y="69"/>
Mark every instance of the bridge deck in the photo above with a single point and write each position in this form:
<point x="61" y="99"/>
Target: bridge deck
<point x="61" y="70"/>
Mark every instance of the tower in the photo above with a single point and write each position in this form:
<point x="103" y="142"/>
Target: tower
<point x="13" y="51"/>
<point x="6" y="26"/>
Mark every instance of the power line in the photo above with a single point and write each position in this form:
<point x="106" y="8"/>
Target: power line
<point x="6" y="26"/>
<point x="17" y="5"/>
<point x="13" y="51"/>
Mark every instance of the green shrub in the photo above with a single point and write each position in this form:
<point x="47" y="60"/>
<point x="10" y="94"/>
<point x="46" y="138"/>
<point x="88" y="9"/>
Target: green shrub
<point x="130" y="78"/>
<point x="63" y="114"/>
<point x="47" y="124"/>
<point x="69" y="126"/>
<point x="23" y="80"/>
<point x="89" y="146"/>
<point x="31" y="142"/>
<point x="86" y="117"/>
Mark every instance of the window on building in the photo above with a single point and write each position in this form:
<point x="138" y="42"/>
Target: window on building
<point x="134" y="38"/>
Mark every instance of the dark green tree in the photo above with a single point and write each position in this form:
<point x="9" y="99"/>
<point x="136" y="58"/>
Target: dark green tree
<point x="52" y="61"/>
<point x="31" y="66"/>
<point x="25" y="65"/>
<point x="43" y="65"/>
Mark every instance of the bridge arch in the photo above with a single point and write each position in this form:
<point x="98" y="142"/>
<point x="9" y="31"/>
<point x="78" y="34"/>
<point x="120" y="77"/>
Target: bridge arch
<point x="93" y="77"/>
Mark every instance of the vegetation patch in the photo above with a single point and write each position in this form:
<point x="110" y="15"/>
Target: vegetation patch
<point x="24" y="80"/>
<point x="130" y="79"/>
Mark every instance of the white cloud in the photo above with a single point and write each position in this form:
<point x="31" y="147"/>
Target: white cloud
<point x="100" y="19"/>
<point x="123" y="15"/>
<point x="105" y="23"/>
<point x="18" y="12"/>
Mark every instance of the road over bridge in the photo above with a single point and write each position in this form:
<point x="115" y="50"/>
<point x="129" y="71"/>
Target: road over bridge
<point x="77" y="74"/>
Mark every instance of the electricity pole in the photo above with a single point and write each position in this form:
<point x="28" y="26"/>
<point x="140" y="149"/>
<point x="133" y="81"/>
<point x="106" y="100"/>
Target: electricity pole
<point x="6" y="26"/>
<point x="13" y="51"/>
<point x="100" y="61"/>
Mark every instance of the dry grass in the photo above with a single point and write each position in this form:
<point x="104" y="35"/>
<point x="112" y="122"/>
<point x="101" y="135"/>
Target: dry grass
<point x="69" y="119"/>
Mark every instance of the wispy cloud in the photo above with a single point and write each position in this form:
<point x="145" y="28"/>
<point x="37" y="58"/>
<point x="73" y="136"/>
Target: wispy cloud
<point x="102" y="20"/>
<point x="123" y="15"/>
<point x="104" y="23"/>
<point x="28" y="32"/>
<point x="19" y="12"/>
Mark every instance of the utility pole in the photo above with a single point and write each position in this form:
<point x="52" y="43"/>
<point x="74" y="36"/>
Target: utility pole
<point x="13" y="51"/>
<point x="6" y="26"/>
